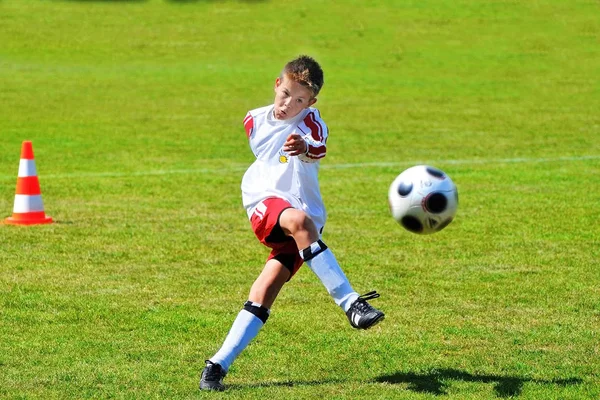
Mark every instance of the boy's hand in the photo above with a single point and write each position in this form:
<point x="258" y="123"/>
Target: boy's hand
<point x="294" y="145"/>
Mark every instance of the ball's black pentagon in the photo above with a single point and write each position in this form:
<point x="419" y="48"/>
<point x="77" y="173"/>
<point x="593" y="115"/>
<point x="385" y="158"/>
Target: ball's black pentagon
<point x="412" y="224"/>
<point x="435" y="202"/>
<point x="435" y="172"/>
<point x="404" y="188"/>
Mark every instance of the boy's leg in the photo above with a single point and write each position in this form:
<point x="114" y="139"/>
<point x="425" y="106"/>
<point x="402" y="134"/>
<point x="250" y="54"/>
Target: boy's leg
<point x="247" y="324"/>
<point x="266" y="287"/>
<point x="319" y="259"/>
<point x="323" y="263"/>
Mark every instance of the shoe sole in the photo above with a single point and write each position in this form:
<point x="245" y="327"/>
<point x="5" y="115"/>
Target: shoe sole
<point x="216" y="389"/>
<point x="378" y="320"/>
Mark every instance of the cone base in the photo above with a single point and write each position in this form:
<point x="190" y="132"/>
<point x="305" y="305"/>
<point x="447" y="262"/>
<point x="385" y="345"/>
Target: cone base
<point x="13" y="221"/>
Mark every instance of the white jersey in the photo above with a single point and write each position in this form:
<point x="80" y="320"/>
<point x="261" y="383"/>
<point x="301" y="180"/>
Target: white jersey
<point x="274" y="173"/>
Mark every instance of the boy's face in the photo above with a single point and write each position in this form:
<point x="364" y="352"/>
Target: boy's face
<point x="291" y="98"/>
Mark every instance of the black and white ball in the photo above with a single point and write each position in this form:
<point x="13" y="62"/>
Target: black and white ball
<point x="423" y="199"/>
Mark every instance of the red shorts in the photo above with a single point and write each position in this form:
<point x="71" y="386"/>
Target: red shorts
<point x="265" y="224"/>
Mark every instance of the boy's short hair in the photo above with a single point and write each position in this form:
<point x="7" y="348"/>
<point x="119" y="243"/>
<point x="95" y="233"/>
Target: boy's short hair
<point x="306" y="71"/>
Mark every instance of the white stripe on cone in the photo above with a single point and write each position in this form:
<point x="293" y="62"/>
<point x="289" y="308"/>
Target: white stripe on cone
<point x="25" y="203"/>
<point x="27" y="168"/>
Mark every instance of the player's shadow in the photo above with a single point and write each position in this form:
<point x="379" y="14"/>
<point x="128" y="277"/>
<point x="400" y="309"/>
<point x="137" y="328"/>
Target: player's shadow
<point x="436" y="381"/>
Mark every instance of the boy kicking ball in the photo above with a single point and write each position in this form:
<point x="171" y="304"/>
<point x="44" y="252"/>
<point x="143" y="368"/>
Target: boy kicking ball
<point x="280" y="192"/>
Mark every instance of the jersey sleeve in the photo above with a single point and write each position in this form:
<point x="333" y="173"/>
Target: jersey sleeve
<point x="249" y="125"/>
<point x="315" y="135"/>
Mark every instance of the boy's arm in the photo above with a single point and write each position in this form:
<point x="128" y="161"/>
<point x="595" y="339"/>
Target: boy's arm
<point x="316" y="139"/>
<point x="305" y="147"/>
<point x="315" y="150"/>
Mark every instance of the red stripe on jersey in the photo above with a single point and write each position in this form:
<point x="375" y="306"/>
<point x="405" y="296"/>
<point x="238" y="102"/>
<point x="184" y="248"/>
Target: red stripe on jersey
<point x="323" y="138"/>
<point x="248" y="125"/>
<point x="315" y="129"/>
<point x="316" y="152"/>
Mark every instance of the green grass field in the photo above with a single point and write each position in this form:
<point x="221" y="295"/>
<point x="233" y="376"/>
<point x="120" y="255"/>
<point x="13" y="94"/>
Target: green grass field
<point x="135" y="112"/>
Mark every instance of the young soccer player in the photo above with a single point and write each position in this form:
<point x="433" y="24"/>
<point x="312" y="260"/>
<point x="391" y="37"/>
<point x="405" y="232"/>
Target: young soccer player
<point x="280" y="192"/>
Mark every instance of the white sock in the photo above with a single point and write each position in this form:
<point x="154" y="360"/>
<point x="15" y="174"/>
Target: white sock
<point x="244" y="329"/>
<point x="322" y="262"/>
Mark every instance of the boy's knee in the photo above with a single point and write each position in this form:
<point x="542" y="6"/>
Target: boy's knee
<point x="296" y="221"/>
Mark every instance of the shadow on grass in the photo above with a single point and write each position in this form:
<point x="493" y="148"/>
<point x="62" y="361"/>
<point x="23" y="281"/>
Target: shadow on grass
<point x="436" y="381"/>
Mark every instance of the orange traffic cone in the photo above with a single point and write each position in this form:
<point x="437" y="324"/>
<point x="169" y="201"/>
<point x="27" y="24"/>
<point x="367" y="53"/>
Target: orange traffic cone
<point x="28" y="208"/>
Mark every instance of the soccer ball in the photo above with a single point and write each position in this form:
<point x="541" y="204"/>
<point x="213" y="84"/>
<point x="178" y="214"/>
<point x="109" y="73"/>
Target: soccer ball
<point x="423" y="199"/>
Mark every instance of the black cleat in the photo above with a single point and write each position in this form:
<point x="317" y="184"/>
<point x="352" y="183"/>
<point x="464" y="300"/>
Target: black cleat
<point x="212" y="377"/>
<point x="362" y="315"/>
